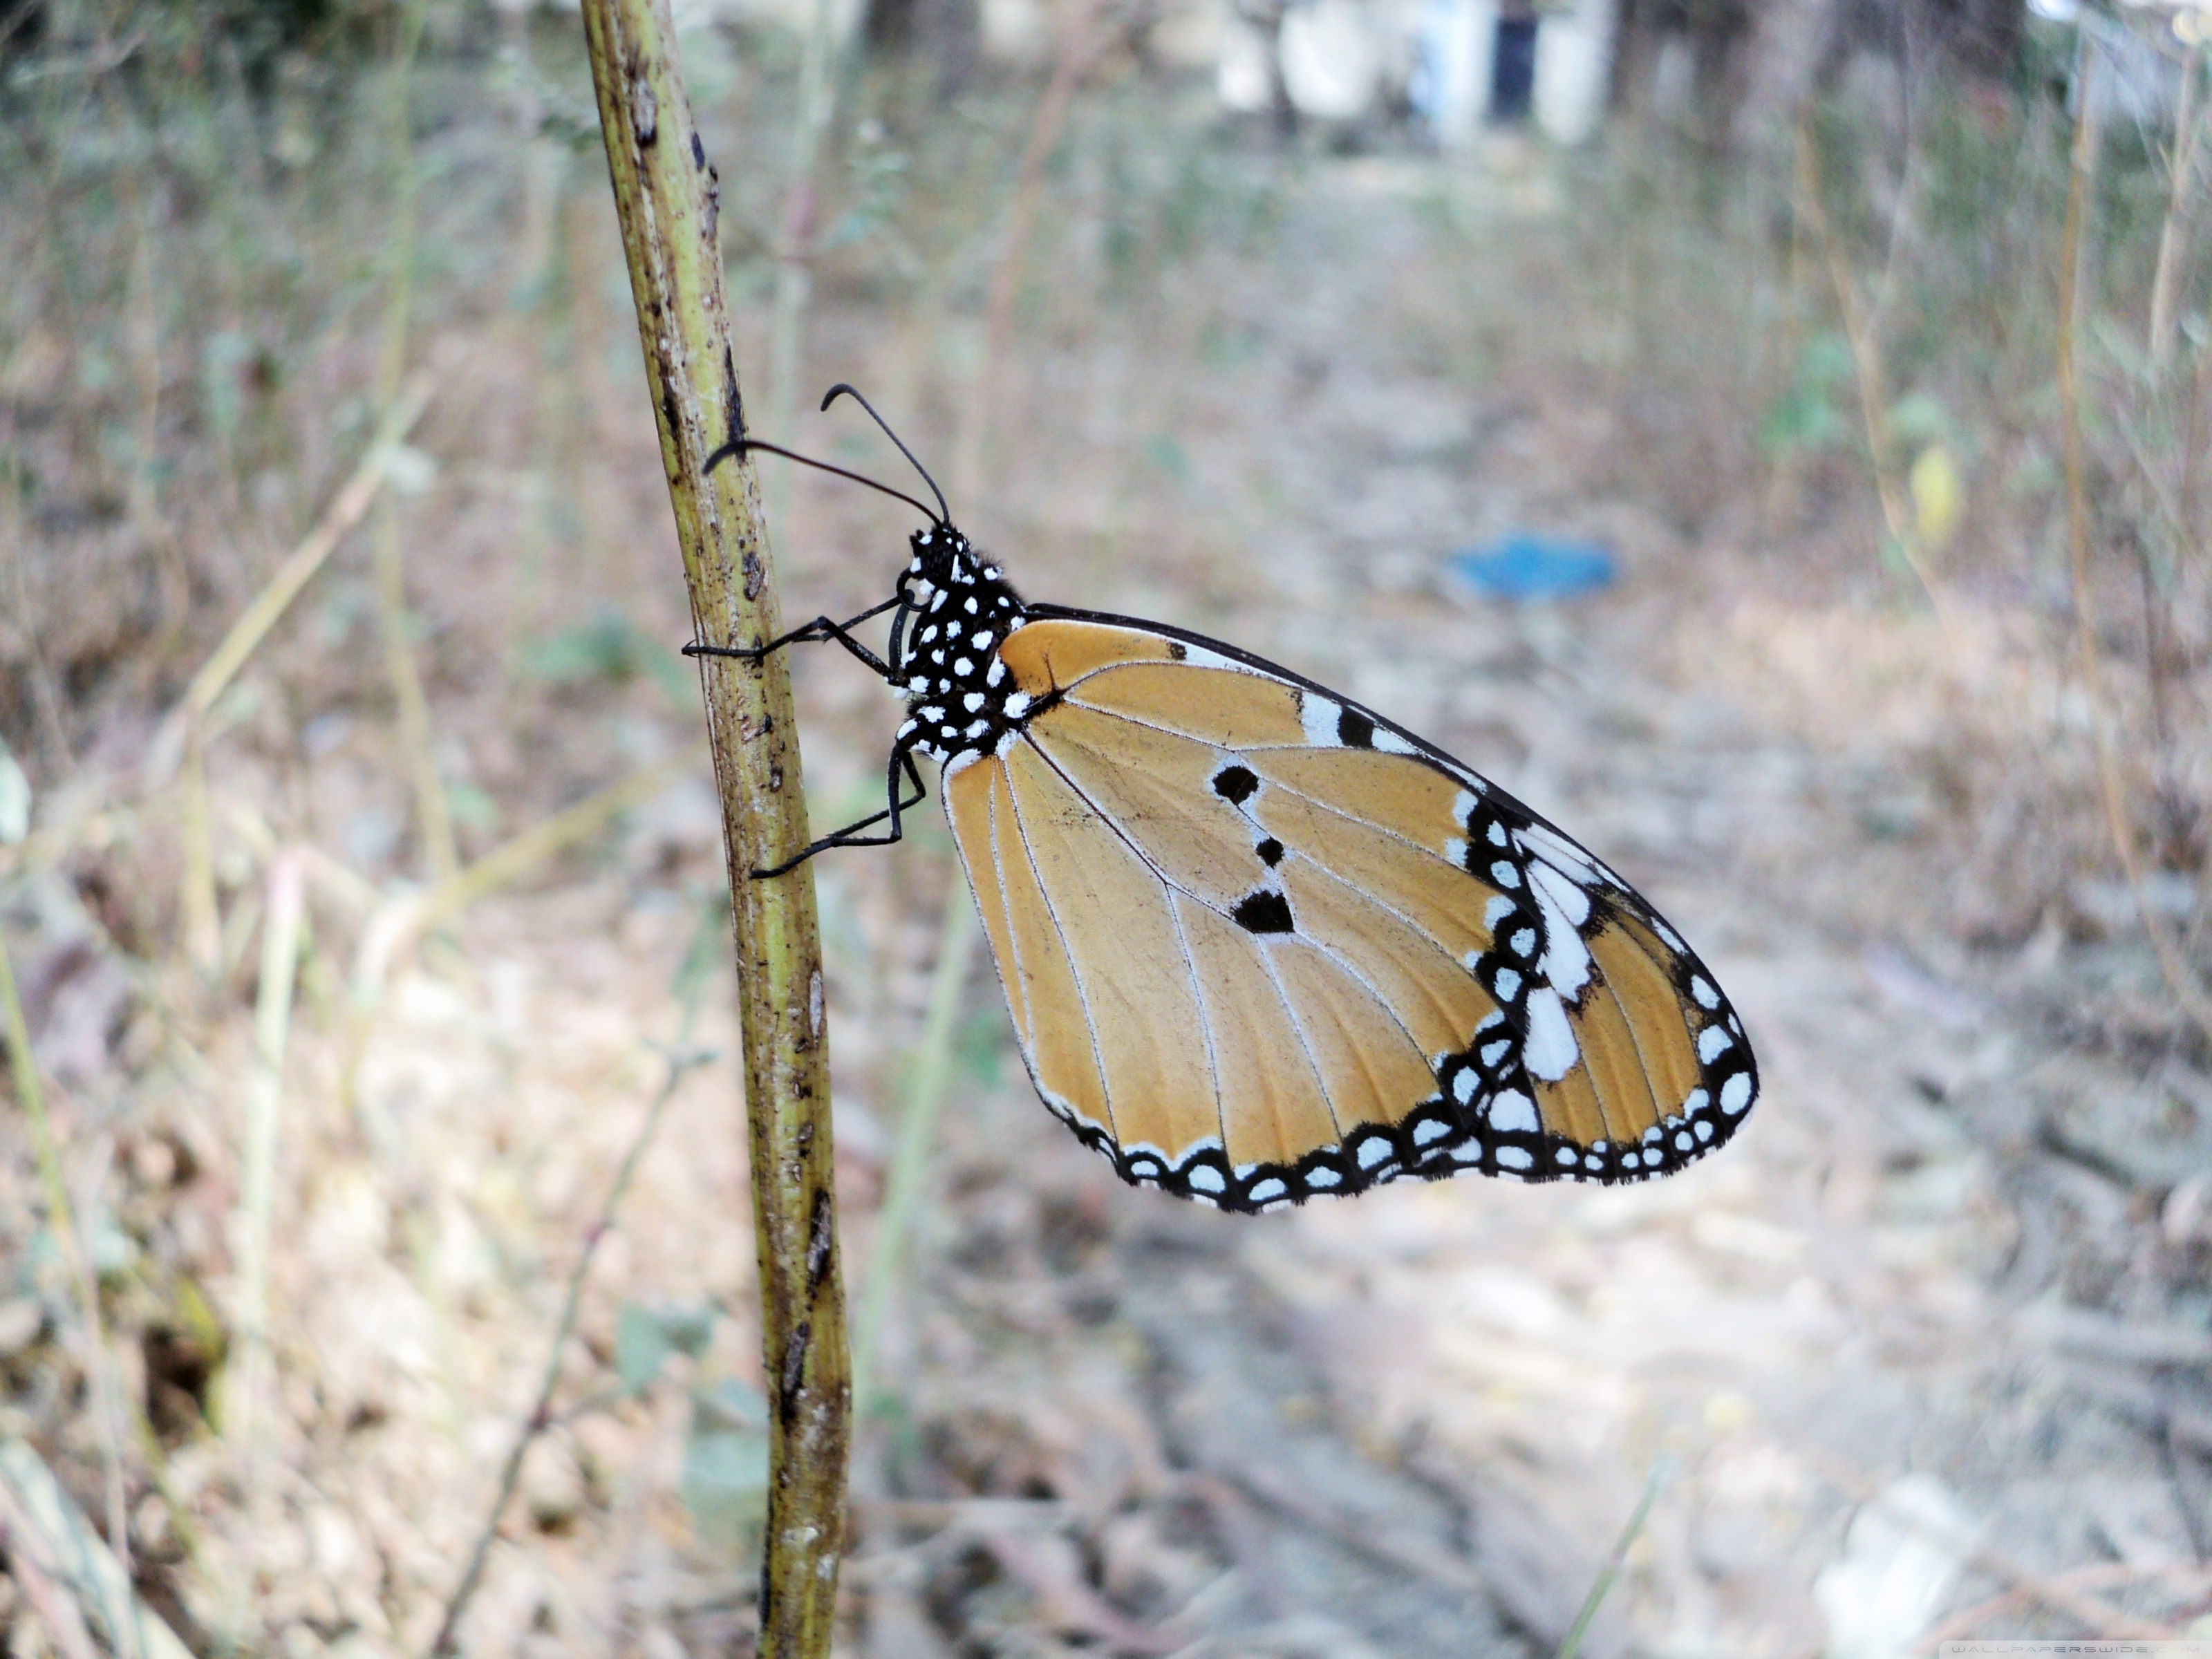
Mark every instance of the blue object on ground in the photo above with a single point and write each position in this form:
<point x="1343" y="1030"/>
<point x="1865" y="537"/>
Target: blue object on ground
<point x="1523" y="565"/>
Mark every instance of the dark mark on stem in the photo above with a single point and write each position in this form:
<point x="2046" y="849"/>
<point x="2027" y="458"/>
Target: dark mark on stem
<point x="821" y="1239"/>
<point x="794" y="1368"/>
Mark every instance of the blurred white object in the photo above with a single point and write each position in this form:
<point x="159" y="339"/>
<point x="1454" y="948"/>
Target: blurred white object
<point x="14" y="799"/>
<point x="1452" y="78"/>
<point x="1192" y="33"/>
<point x="1574" y="50"/>
<point x="1331" y="62"/>
<point x="1015" y="32"/>
<point x="1459" y="67"/>
<point x="1902" y="1555"/>
<point x="1244" y="74"/>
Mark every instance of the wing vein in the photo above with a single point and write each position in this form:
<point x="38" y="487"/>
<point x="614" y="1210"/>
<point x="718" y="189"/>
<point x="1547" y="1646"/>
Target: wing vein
<point x="1205" y="1025"/>
<point x="1343" y="963"/>
<point x="1306" y="1042"/>
<point x="1020" y="987"/>
<point x="1082" y="996"/>
<point x="1296" y="749"/>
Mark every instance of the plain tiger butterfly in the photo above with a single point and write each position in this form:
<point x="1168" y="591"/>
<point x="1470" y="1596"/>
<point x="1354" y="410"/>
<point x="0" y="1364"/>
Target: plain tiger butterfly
<point x="1260" y="943"/>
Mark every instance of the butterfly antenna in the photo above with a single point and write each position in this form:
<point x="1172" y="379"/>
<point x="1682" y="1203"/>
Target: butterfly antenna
<point x="842" y="389"/>
<point x="738" y="446"/>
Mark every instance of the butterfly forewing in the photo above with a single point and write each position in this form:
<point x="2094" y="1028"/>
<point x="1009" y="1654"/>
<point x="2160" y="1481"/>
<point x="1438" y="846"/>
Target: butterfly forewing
<point x="1259" y="944"/>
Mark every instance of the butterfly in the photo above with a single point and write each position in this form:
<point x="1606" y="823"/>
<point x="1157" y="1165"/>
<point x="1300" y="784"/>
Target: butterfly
<point x="1260" y="943"/>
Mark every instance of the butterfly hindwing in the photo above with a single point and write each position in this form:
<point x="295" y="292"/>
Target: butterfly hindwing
<point x="1258" y="943"/>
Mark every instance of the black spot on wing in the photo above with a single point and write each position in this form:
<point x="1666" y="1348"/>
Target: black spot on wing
<point x="1354" y="730"/>
<point x="1235" y="784"/>
<point x="1177" y="650"/>
<point x="1263" y="911"/>
<point x="1270" y="852"/>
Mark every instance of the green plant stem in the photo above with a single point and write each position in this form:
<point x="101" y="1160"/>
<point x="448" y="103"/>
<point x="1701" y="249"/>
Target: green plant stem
<point x="2172" y="234"/>
<point x="1663" y="1470"/>
<point x="932" y="1070"/>
<point x="794" y="281"/>
<point x="665" y="198"/>
<point x="1868" y="368"/>
<point x="434" y="818"/>
<point x="2180" y="978"/>
<point x="281" y="930"/>
<point x="31" y="1098"/>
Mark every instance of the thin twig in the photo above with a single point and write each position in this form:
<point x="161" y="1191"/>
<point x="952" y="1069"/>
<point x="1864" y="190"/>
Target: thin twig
<point x="281" y="934"/>
<point x="1080" y="43"/>
<point x="1866" y="359"/>
<point x="795" y="250"/>
<point x="43" y="1530"/>
<point x="56" y="1607"/>
<point x="107" y="1416"/>
<point x="682" y="1060"/>
<point x="1663" y="1470"/>
<point x="2080" y="174"/>
<point x="434" y="820"/>
<point x="275" y="597"/>
<point x="2187" y="1580"/>
<point x="932" y="1070"/>
<point x="2171" y="234"/>
<point x="2052" y="1591"/>
<point x="403" y="920"/>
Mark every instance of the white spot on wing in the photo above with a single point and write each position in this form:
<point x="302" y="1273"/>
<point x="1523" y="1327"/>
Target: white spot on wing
<point x="1550" y="1052"/>
<point x="1513" y="1112"/>
<point x="1573" y="902"/>
<point x="1391" y="744"/>
<point x="1555" y="848"/>
<point x="1712" y="1042"/>
<point x="1567" y="959"/>
<point x="1513" y="1157"/>
<point x="1736" y="1093"/>
<point x="1319" y="716"/>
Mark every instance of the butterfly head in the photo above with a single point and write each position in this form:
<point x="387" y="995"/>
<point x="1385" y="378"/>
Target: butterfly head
<point x="946" y="563"/>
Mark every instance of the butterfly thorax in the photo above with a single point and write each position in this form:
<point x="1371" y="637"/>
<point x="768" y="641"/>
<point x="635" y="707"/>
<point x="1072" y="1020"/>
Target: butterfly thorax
<point x="957" y="611"/>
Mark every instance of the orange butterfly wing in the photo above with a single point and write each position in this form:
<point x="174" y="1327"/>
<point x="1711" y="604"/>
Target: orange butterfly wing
<point x="1258" y="944"/>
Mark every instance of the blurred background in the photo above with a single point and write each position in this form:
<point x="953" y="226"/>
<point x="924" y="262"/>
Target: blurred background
<point x="1769" y="436"/>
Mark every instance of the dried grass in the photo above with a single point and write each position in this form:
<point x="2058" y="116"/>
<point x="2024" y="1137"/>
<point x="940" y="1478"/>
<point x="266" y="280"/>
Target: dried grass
<point x="1255" y="391"/>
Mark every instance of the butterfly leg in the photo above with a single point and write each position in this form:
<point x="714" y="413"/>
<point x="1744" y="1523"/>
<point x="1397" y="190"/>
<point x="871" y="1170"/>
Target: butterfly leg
<point x="821" y="628"/>
<point x="901" y="759"/>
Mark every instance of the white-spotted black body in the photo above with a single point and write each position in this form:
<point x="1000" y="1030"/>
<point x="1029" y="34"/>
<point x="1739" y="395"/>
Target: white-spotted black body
<point x="955" y="612"/>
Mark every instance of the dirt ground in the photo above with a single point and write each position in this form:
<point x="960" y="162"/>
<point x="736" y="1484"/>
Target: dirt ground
<point x="1926" y="1351"/>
